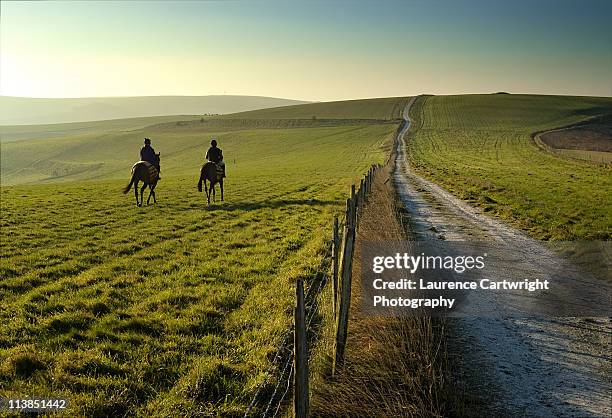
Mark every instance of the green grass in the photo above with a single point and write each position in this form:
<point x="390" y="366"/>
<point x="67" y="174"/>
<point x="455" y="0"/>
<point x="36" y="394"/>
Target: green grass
<point x="173" y="309"/>
<point x="109" y="146"/>
<point x="99" y="156"/>
<point x="383" y="109"/>
<point x="480" y="148"/>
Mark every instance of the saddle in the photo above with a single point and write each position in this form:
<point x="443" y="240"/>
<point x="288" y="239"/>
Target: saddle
<point x="153" y="173"/>
<point x="220" y="170"/>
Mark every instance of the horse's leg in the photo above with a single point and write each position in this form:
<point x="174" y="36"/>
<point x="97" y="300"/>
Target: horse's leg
<point x="144" y="186"/>
<point x="136" y="192"/>
<point x="214" y="191"/>
<point x="149" y="198"/>
<point x="221" y="185"/>
<point x="207" y="191"/>
<point x="152" y="192"/>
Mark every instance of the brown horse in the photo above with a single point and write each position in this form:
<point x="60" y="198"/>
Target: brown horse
<point x="148" y="174"/>
<point x="209" y="172"/>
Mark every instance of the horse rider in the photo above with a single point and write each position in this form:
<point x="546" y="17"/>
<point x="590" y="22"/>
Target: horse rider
<point x="215" y="155"/>
<point x="147" y="153"/>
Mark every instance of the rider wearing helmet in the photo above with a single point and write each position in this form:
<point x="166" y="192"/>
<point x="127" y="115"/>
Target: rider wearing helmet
<point x="215" y="155"/>
<point x="147" y="153"/>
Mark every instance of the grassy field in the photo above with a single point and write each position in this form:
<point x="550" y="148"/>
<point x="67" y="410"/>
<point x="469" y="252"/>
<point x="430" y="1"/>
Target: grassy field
<point x="383" y="109"/>
<point x="106" y="156"/>
<point x="480" y="147"/>
<point x="173" y="309"/>
<point x="61" y="130"/>
<point x="110" y="146"/>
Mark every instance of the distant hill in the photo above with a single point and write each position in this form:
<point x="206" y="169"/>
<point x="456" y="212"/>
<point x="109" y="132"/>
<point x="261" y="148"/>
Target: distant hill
<point x="386" y="108"/>
<point x="30" y="111"/>
<point x="107" y="149"/>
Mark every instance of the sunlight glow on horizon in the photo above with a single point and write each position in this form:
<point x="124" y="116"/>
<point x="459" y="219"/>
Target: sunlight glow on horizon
<point x="314" y="51"/>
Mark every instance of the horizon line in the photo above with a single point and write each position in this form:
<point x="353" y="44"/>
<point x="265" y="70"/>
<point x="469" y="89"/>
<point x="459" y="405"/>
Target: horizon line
<point x="302" y="100"/>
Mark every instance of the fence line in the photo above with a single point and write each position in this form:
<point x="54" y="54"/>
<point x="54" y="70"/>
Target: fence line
<point x="345" y="287"/>
<point x="282" y="365"/>
<point x="290" y="362"/>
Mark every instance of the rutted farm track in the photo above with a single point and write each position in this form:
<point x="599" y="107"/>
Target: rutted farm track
<point x="538" y="367"/>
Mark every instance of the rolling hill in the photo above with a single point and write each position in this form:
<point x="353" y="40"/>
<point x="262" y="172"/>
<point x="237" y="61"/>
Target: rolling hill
<point x="9" y="133"/>
<point x="387" y="108"/>
<point x="174" y="309"/>
<point x="27" y="111"/>
<point x="101" y="150"/>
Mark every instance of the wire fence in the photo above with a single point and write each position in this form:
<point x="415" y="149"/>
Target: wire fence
<point x="269" y="401"/>
<point x="281" y="366"/>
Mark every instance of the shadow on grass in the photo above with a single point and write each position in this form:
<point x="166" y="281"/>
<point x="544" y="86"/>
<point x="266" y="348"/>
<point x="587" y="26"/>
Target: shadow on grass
<point x="601" y="113"/>
<point x="271" y="204"/>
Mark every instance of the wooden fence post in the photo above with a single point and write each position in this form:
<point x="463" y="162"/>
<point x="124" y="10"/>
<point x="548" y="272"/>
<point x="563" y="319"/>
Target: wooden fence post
<point x="345" y="291"/>
<point x="300" y="375"/>
<point x="335" y="264"/>
<point x="362" y="193"/>
<point x="353" y="197"/>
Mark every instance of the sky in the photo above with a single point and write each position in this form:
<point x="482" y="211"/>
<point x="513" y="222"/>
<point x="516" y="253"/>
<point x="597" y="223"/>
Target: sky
<point x="311" y="50"/>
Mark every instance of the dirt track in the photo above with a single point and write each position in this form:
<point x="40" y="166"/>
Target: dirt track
<point x="543" y="366"/>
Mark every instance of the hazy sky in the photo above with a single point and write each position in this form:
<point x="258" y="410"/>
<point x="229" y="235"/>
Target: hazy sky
<point x="315" y="50"/>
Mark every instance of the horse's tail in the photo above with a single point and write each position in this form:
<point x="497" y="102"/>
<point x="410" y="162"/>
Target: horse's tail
<point x="129" y="186"/>
<point x="200" y="181"/>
